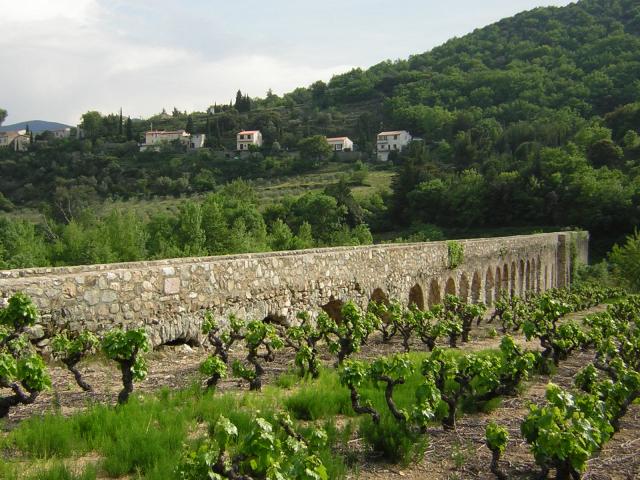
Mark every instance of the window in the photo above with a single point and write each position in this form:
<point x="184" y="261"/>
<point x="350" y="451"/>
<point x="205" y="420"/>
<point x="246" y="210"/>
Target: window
<point x="395" y="137"/>
<point x="395" y="147"/>
<point x="338" y="146"/>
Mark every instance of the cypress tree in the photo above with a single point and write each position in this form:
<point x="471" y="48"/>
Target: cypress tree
<point x="129" y="129"/>
<point x="189" y="128"/>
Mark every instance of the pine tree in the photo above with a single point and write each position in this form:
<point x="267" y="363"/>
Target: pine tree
<point x="189" y="128"/>
<point x="120" y="123"/>
<point x="28" y="131"/>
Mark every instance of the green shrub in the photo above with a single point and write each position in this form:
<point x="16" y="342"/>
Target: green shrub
<point x="396" y="441"/>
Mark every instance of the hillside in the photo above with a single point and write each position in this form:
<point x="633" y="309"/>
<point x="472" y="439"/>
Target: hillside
<point x="583" y="58"/>
<point x="36" y="126"/>
<point x="530" y="123"/>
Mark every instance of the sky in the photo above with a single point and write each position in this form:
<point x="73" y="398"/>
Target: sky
<point x="62" y="58"/>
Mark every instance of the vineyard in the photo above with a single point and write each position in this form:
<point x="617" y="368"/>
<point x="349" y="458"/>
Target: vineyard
<point x="536" y="387"/>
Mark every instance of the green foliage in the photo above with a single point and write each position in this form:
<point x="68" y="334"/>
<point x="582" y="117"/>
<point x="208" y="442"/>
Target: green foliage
<point x="263" y="453"/>
<point x="565" y="433"/>
<point x="19" y="313"/>
<point x="126" y="347"/>
<point x="347" y="336"/>
<point x="22" y="369"/>
<point x="496" y="437"/>
<point x="455" y="254"/>
<point x="64" y="345"/>
<point x="625" y="261"/>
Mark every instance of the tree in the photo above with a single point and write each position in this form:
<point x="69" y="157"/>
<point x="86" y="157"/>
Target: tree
<point x="3" y="115"/>
<point x="129" y="129"/>
<point x="189" y="128"/>
<point x="314" y="150"/>
<point x="605" y="153"/>
<point x="91" y="123"/>
<point x="625" y="261"/>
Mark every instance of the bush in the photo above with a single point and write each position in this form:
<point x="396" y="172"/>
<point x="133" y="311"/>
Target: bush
<point x="395" y="441"/>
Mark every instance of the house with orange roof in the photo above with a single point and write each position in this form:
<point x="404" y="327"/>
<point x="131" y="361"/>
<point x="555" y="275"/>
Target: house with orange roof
<point x="340" y="144"/>
<point x="394" y="140"/>
<point x="246" y="138"/>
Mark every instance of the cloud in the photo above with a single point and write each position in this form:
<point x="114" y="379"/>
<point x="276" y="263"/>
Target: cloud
<point x="62" y="58"/>
<point x="32" y="11"/>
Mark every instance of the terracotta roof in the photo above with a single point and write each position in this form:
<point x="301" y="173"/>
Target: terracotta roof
<point x="337" y="138"/>
<point x="395" y="132"/>
<point x="248" y="131"/>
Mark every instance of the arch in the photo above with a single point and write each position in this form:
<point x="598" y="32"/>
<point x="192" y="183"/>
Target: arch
<point x="498" y="290"/>
<point x="513" y="279"/>
<point x="505" y="279"/>
<point x="450" y="287"/>
<point x="276" y="319"/>
<point x="379" y="296"/>
<point x="434" y="293"/>
<point x="463" y="294"/>
<point x="416" y="296"/>
<point x="475" y="288"/>
<point x="538" y="271"/>
<point x="333" y="308"/>
<point x="521" y="290"/>
<point x="488" y="287"/>
<point x="527" y="277"/>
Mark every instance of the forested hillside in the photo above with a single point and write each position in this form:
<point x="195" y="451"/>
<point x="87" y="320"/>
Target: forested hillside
<point x="533" y="121"/>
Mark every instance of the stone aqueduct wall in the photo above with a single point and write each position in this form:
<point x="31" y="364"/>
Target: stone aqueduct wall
<point x="169" y="297"/>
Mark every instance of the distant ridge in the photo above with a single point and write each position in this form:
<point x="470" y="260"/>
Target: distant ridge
<point x="36" y="126"/>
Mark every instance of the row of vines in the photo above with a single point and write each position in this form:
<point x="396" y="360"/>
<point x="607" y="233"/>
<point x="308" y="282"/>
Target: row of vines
<point x="563" y="434"/>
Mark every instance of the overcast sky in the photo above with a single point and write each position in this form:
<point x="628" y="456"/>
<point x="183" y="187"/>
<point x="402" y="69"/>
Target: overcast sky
<point x="61" y="58"/>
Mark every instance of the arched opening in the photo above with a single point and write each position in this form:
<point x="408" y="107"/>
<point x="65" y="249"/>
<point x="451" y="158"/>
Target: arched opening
<point x="538" y="278"/>
<point x="276" y="319"/>
<point x="464" y="288"/>
<point x="450" y="287"/>
<point x="434" y="293"/>
<point x="379" y="296"/>
<point x="475" y="288"/>
<point x="488" y="287"/>
<point x="498" y="290"/>
<point x="416" y="296"/>
<point x="333" y="308"/>
<point x="505" y="279"/>
<point x="513" y="279"/>
<point x="521" y="290"/>
<point x="527" y="277"/>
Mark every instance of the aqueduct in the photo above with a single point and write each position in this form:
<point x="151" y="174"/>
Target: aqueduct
<point x="169" y="297"/>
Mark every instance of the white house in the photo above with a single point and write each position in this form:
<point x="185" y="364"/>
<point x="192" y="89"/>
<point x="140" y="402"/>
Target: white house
<point x="155" y="138"/>
<point x="196" y="141"/>
<point x="61" y="133"/>
<point x="387" y="142"/>
<point x="340" y="144"/>
<point x="17" y="140"/>
<point x="246" y="138"/>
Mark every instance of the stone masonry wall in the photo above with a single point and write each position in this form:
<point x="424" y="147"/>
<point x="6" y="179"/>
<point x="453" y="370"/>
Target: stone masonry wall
<point x="169" y="297"/>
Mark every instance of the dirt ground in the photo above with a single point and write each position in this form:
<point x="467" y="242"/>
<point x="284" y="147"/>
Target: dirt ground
<point x="459" y="454"/>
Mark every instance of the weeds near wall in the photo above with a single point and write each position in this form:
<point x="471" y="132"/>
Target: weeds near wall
<point x="456" y="253"/>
